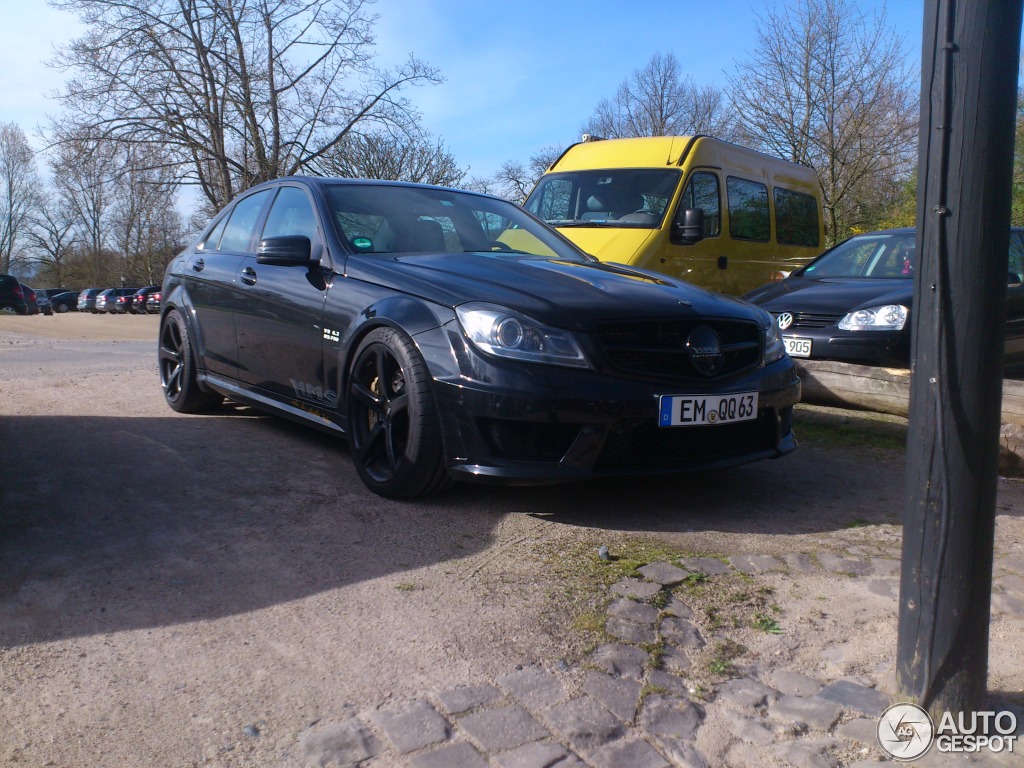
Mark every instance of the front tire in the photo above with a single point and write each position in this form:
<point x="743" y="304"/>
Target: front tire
<point x="178" y="368"/>
<point x="393" y="425"/>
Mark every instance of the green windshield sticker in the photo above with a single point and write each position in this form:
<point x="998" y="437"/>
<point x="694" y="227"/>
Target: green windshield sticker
<point x="363" y="243"/>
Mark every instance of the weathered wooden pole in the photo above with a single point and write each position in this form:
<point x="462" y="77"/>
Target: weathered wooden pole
<point x="968" y="97"/>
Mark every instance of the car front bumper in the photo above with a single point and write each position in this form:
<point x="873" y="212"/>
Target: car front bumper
<point x="585" y="424"/>
<point x="883" y="348"/>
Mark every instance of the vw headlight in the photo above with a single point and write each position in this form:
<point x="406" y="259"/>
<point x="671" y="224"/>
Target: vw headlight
<point x="774" y="346"/>
<point x="890" y="317"/>
<point x="504" y="333"/>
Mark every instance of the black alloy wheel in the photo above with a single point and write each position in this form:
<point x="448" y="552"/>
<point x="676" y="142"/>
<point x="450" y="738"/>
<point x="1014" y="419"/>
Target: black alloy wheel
<point x="392" y="420"/>
<point x="178" y="368"/>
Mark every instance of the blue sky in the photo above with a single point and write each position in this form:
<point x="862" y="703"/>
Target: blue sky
<point x="520" y="76"/>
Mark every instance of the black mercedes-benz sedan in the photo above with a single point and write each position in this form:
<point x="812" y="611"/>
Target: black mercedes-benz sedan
<point x="852" y="303"/>
<point x="451" y="335"/>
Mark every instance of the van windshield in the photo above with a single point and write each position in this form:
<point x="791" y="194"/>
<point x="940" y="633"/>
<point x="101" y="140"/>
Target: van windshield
<point x="617" y="197"/>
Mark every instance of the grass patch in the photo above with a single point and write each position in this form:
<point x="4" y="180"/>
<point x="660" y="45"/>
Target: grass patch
<point x="838" y="428"/>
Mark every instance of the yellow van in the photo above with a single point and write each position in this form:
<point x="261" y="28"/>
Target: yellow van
<point x="716" y="214"/>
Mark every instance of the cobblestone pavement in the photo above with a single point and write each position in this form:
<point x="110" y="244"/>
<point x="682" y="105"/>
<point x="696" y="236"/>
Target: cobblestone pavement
<point x="631" y="704"/>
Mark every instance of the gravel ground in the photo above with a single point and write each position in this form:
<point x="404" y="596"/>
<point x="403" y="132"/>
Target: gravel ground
<point x="169" y="581"/>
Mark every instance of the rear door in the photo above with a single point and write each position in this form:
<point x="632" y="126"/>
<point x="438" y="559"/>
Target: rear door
<point x="212" y="274"/>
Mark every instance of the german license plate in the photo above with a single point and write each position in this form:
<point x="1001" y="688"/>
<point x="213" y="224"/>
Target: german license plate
<point x="706" y="410"/>
<point x="797" y="347"/>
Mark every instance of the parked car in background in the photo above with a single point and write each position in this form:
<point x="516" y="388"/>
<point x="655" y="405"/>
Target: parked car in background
<point x="43" y="302"/>
<point x="853" y="303"/>
<point x="124" y="299"/>
<point x="112" y="300"/>
<point x="30" y="300"/>
<point x="452" y="335"/>
<point x="65" y="302"/>
<point x="140" y="296"/>
<point x="153" y="303"/>
<point x="87" y="300"/>
<point x="12" y="296"/>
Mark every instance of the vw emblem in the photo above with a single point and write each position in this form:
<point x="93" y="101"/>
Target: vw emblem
<point x="705" y="350"/>
<point x="785" y="320"/>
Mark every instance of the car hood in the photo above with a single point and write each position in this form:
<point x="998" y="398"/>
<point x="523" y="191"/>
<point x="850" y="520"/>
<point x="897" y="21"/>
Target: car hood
<point x="830" y="296"/>
<point x="557" y="292"/>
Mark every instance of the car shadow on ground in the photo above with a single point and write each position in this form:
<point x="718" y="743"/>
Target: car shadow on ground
<point x="108" y="523"/>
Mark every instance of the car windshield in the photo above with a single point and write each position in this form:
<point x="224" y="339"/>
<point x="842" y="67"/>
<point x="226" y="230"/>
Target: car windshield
<point x="389" y="219"/>
<point x="618" y="197"/>
<point x="867" y="256"/>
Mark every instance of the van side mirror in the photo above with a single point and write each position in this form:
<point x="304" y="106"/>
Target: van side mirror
<point x="691" y="230"/>
<point x="1013" y="279"/>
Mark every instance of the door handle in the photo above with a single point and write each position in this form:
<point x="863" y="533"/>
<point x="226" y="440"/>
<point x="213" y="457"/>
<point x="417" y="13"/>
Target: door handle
<point x="249" y="276"/>
<point x="197" y="265"/>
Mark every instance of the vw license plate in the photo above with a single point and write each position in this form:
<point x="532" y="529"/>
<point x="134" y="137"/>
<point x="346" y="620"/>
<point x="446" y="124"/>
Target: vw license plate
<point x="797" y="347"/>
<point x="703" y="410"/>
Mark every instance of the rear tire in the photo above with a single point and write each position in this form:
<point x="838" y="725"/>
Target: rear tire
<point x="393" y="426"/>
<point x="178" y="368"/>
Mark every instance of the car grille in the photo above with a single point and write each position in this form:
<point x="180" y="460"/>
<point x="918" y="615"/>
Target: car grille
<point x="657" y="349"/>
<point x="639" y="445"/>
<point x="812" y="320"/>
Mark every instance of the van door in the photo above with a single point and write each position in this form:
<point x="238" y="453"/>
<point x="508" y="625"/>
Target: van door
<point x="698" y="262"/>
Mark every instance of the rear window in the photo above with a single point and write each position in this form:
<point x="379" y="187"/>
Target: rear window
<point x="748" y="209"/>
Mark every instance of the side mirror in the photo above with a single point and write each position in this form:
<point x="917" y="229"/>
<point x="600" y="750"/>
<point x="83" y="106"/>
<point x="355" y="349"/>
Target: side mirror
<point x="691" y="230"/>
<point x="1013" y="279"/>
<point x="290" y="250"/>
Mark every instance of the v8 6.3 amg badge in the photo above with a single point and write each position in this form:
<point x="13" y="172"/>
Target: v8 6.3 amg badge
<point x="905" y="731"/>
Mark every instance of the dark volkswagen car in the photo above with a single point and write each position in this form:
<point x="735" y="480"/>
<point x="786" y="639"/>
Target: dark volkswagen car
<point x="451" y="335"/>
<point x="852" y="303"/>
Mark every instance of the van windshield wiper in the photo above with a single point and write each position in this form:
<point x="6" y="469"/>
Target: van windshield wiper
<point x="578" y="223"/>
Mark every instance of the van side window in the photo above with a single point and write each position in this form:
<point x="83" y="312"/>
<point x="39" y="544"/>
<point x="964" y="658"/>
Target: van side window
<point x="238" y="233"/>
<point x="796" y="218"/>
<point x="748" y="209"/>
<point x="702" y="192"/>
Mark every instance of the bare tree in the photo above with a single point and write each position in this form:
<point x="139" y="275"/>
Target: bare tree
<point x="397" y="158"/>
<point x="240" y="91"/>
<point x="19" y="191"/>
<point x="51" y="241"/>
<point x="144" y="222"/>
<point x="83" y="172"/>
<point x="659" y="100"/>
<point x="514" y="180"/>
<point x="829" y="87"/>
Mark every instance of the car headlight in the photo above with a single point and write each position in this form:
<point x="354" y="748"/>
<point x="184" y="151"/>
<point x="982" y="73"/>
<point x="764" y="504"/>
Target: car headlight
<point x="504" y="333"/>
<point x="890" y="317"/>
<point x="774" y="346"/>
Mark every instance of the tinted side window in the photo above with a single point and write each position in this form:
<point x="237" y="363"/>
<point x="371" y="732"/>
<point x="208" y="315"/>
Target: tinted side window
<point x="796" y="218"/>
<point x="748" y="209"/>
<point x="239" y="229"/>
<point x="210" y="243"/>
<point x="291" y="214"/>
<point x="702" y="192"/>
